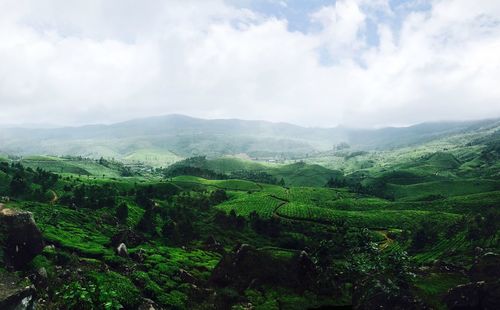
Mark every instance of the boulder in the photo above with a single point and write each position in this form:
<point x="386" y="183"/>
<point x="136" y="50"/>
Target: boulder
<point x="121" y="250"/>
<point x="475" y="295"/>
<point x="21" y="239"/>
<point x="15" y="294"/>
<point x="148" y="304"/>
<point x="486" y="267"/>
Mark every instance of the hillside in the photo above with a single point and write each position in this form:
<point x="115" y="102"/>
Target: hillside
<point x="228" y="232"/>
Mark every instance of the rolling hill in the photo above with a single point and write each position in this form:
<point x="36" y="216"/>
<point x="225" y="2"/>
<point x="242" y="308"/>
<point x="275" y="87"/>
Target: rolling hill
<point x="162" y="140"/>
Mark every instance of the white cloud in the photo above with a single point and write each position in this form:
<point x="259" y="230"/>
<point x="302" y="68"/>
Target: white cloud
<point x="101" y="61"/>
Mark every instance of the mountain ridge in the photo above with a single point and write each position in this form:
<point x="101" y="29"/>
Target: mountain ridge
<point x="187" y="136"/>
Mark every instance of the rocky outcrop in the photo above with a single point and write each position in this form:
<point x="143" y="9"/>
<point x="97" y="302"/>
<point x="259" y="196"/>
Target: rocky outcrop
<point x="486" y="267"/>
<point x="484" y="291"/>
<point x="475" y="295"/>
<point x="14" y="294"/>
<point x="21" y="239"/>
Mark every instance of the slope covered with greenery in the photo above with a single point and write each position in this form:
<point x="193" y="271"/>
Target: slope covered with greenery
<point x="347" y="227"/>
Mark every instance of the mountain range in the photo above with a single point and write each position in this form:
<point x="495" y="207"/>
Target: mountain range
<point x="170" y="137"/>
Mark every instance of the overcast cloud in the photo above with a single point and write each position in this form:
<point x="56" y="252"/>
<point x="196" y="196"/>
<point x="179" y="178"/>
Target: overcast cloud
<point x="358" y="63"/>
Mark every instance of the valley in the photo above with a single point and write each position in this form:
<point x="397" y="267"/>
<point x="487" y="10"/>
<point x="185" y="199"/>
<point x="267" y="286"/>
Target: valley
<point x="404" y="218"/>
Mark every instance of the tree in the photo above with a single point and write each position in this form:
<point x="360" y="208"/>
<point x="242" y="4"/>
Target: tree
<point x="18" y="185"/>
<point x="218" y="196"/>
<point x="170" y="231"/>
<point x="122" y="213"/>
<point x="147" y="223"/>
<point x="425" y="234"/>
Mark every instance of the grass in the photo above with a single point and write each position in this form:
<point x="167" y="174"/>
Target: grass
<point x="370" y="219"/>
<point x="235" y="185"/>
<point x="70" y="166"/>
<point x="75" y="230"/>
<point x="445" y="188"/>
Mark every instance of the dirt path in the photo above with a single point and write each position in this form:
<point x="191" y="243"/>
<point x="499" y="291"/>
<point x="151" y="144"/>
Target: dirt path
<point x="54" y="197"/>
<point x="289" y="218"/>
<point x="387" y="242"/>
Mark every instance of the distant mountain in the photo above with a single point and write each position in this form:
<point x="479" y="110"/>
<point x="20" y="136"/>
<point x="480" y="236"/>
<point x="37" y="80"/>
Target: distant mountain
<point x="175" y="136"/>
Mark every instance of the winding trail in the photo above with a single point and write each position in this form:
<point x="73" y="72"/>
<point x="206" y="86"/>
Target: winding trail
<point x="387" y="242"/>
<point x="54" y="197"/>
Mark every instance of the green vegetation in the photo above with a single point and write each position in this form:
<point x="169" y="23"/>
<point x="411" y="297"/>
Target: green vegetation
<point x="331" y="228"/>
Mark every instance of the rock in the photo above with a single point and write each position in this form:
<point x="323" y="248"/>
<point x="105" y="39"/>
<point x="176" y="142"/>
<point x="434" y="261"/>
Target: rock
<point x="475" y="295"/>
<point x="486" y="268"/>
<point x="121" y="250"/>
<point x="16" y="295"/>
<point x="22" y="240"/>
<point x="148" y="304"/>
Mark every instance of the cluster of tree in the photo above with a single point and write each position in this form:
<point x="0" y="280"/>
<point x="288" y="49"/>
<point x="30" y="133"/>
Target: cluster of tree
<point x="124" y="170"/>
<point x="230" y="221"/>
<point x="335" y="182"/>
<point x="491" y="152"/>
<point x="178" y="224"/>
<point x="375" y="187"/>
<point x="270" y="227"/>
<point x="427" y="233"/>
<point x="194" y="171"/>
<point x="175" y="221"/>
<point x="161" y="190"/>
<point x="485" y="225"/>
<point x="90" y="196"/>
<point x="355" y="154"/>
<point x="26" y="182"/>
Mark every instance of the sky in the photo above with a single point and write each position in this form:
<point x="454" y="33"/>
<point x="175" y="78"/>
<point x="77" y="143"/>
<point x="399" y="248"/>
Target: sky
<point x="358" y="63"/>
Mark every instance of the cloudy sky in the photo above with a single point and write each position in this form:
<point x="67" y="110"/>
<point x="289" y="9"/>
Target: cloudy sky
<point x="359" y="63"/>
